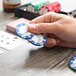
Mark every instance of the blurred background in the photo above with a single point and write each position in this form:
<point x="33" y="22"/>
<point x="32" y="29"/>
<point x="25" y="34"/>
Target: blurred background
<point x="67" y="5"/>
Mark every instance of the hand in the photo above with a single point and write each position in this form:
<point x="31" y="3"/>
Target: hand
<point x="59" y="29"/>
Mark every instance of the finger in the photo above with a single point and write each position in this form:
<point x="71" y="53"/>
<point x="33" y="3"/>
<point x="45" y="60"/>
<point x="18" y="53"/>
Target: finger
<point x="67" y="44"/>
<point x="49" y="17"/>
<point x="51" y="42"/>
<point x="54" y="28"/>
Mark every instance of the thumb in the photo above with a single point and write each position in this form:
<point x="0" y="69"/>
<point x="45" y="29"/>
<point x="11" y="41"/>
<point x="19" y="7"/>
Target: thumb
<point x="44" y="28"/>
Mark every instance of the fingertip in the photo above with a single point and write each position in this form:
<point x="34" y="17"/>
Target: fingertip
<point x="50" y="45"/>
<point x="50" y="42"/>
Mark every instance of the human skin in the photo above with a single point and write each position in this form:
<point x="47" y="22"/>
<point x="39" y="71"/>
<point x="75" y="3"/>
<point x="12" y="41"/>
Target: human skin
<point x="59" y="29"/>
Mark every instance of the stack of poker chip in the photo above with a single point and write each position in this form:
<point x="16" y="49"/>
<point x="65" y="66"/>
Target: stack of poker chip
<point x="72" y="13"/>
<point x="34" y="6"/>
<point x="35" y="39"/>
<point x="51" y="7"/>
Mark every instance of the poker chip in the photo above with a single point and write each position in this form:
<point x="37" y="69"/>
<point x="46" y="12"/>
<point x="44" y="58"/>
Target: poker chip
<point x="22" y="31"/>
<point x="31" y="8"/>
<point x="72" y="62"/>
<point x="38" y="40"/>
<point x="72" y="13"/>
<point x="51" y="7"/>
<point x="28" y="4"/>
<point x="34" y="6"/>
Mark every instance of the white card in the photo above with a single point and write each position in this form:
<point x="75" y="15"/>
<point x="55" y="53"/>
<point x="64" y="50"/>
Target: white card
<point x="1" y="51"/>
<point x="9" y="41"/>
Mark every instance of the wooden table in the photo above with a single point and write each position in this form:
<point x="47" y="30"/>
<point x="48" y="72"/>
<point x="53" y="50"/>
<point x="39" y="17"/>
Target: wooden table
<point x="29" y="60"/>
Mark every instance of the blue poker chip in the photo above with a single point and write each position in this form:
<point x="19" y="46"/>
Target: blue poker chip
<point x="72" y="62"/>
<point x="22" y="31"/>
<point x="38" y="40"/>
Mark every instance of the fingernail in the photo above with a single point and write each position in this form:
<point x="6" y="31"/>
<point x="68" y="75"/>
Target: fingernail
<point x="32" y="28"/>
<point x="51" y="43"/>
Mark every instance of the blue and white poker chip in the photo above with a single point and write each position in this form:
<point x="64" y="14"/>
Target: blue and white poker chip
<point x="22" y="31"/>
<point x="38" y="40"/>
<point x="72" y="62"/>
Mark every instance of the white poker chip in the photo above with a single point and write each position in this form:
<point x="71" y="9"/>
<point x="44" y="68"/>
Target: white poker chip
<point x="72" y="62"/>
<point x="22" y="31"/>
<point x="38" y="40"/>
<point x="29" y="8"/>
<point x="33" y="10"/>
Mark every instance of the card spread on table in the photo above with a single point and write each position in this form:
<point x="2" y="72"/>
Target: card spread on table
<point x="9" y="41"/>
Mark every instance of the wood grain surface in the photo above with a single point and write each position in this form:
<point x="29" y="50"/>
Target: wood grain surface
<point x="30" y="60"/>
